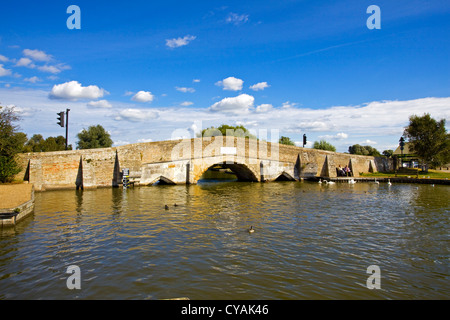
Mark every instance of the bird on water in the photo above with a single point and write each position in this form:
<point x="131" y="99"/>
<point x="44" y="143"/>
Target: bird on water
<point x="251" y="230"/>
<point x="166" y="207"/>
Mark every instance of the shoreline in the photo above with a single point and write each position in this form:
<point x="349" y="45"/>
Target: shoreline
<point x="16" y="203"/>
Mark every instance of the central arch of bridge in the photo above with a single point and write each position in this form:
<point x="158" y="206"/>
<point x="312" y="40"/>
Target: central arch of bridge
<point x="242" y="171"/>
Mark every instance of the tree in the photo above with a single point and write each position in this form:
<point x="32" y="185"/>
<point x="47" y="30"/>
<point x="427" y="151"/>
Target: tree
<point x="38" y="144"/>
<point x="388" y="153"/>
<point x="286" y="140"/>
<point x="428" y="139"/>
<point x="11" y="142"/>
<point x="226" y="130"/>
<point x="94" y="137"/>
<point x="363" y="150"/>
<point x="323" y="145"/>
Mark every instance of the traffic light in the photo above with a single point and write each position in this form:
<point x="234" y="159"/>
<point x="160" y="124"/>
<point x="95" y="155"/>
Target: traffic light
<point x="304" y="140"/>
<point x="61" y="118"/>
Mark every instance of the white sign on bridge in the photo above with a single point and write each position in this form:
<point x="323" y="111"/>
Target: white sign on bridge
<point x="228" y="150"/>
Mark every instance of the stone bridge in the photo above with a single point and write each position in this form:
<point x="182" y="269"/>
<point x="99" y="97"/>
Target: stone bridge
<point x="185" y="161"/>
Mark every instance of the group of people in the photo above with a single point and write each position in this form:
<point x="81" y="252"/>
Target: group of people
<point x="344" y="172"/>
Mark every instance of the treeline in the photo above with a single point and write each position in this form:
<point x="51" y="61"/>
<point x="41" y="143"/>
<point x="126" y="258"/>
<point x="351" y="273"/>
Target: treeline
<point x="12" y="142"/>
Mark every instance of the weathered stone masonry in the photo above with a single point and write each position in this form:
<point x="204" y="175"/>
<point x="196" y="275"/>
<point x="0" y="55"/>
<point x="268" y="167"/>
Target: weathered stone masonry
<point x="184" y="161"/>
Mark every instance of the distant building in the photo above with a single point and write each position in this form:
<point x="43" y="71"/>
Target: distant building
<point x="409" y="159"/>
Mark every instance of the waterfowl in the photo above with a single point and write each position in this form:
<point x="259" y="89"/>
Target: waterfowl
<point x="175" y="205"/>
<point x="389" y="182"/>
<point x="251" y="230"/>
<point x="320" y="181"/>
<point x="351" y="181"/>
<point x="166" y="207"/>
<point x="377" y="182"/>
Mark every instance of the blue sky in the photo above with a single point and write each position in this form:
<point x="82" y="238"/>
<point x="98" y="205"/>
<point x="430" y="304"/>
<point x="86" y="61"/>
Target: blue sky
<point x="156" y="70"/>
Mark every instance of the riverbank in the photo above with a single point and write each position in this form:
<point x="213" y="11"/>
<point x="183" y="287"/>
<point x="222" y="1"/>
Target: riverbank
<point x="385" y="180"/>
<point x="16" y="203"/>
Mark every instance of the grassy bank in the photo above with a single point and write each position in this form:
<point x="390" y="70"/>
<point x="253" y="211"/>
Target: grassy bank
<point x="431" y="174"/>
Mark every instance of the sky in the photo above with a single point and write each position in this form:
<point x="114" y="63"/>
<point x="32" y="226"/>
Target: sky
<point x="159" y="70"/>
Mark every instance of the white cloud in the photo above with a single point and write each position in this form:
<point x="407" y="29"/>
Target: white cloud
<point x="25" y="62"/>
<point x="368" y="141"/>
<point x="231" y="83"/>
<point x="37" y="55"/>
<point x="288" y="104"/>
<point x="143" y="96"/>
<point x="137" y="115"/>
<point x="3" y="58"/>
<point x="259" y="86"/>
<point x="179" y="42"/>
<point x="338" y="136"/>
<point x="53" y="68"/>
<point x="100" y="104"/>
<point x="237" y="19"/>
<point x="32" y="79"/>
<point x="184" y="89"/>
<point x="237" y="105"/>
<point x="196" y="80"/>
<point x="118" y="143"/>
<point x="73" y="90"/>
<point x="4" y="72"/>
<point x="186" y="104"/>
<point x="265" y="107"/>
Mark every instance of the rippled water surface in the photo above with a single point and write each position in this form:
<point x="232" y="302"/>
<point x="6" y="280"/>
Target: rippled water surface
<point x="311" y="242"/>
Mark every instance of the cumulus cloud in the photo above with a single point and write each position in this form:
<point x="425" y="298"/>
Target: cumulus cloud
<point x="4" y="72"/>
<point x="37" y="55"/>
<point x="73" y="90"/>
<point x="25" y="62"/>
<point x="259" y="86"/>
<point x="368" y="141"/>
<point x="3" y="58"/>
<point x="338" y="136"/>
<point x="237" y="19"/>
<point x="265" y="107"/>
<point x="196" y="80"/>
<point x="179" y="42"/>
<point x="143" y="96"/>
<point x="237" y="105"/>
<point x="186" y="103"/>
<point x="53" y="68"/>
<point x="184" y="89"/>
<point x="32" y="79"/>
<point x="137" y="115"/>
<point x="231" y="83"/>
<point x="100" y="104"/>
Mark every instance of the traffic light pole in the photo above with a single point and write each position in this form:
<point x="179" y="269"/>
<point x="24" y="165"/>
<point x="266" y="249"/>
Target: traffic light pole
<point x="67" y="127"/>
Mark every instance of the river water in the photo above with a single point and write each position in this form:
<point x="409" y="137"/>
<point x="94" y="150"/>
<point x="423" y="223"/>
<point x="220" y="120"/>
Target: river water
<point x="311" y="241"/>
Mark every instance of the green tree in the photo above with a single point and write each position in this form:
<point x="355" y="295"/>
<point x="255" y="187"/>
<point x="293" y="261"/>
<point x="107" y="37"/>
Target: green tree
<point x="11" y="142"/>
<point x="388" y="153"/>
<point x="94" y="137"/>
<point x="363" y="150"/>
<point x="226" y="130"/>
<point x="286" y="140"/>
<point x="428" y="139"/>
<point x="38" y="144"/>
<point x="323" y="145"/>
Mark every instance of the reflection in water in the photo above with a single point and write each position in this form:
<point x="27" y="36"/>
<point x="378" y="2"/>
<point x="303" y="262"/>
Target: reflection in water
<point x="311" y="241"/>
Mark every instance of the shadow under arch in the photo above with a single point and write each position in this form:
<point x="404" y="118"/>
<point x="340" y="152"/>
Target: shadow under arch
<point x="240" y="170"/>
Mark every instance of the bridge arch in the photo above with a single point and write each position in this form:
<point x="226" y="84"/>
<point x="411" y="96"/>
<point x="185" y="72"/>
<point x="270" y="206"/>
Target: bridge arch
<point x="242" y="171"/>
